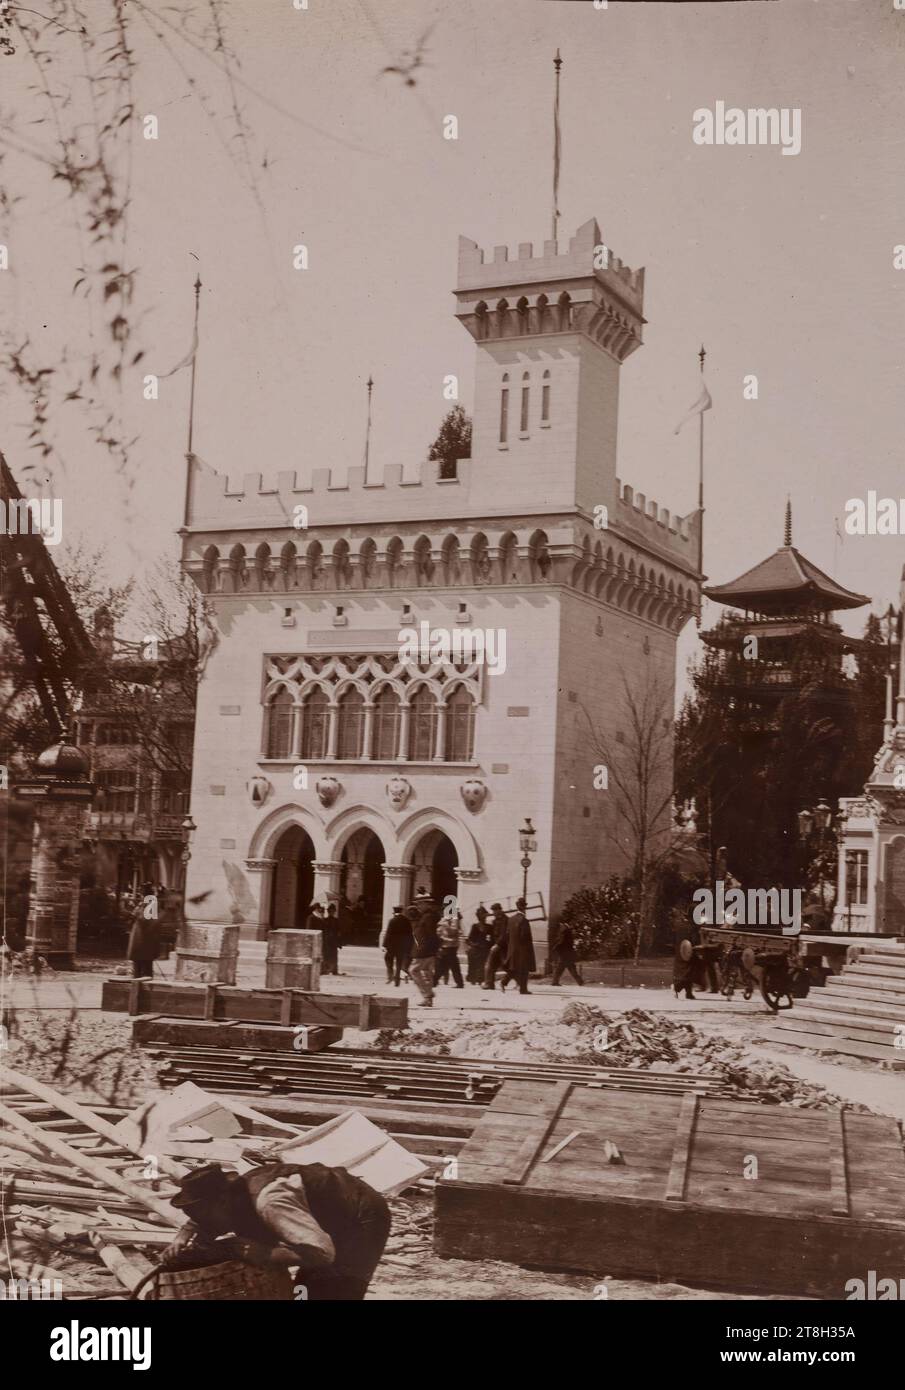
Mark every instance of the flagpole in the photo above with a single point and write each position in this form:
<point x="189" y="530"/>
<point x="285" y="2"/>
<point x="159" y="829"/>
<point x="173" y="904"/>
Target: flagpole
<point x="701" y="356"/>
<point x="188" y="446"/>
<point x="557" y="64"/>
<point x="368" y="427"/>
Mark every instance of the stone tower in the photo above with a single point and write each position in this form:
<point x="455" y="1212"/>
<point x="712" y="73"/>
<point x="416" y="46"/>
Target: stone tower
<point x="323" y="762"/>
<point x="552" y="332"/>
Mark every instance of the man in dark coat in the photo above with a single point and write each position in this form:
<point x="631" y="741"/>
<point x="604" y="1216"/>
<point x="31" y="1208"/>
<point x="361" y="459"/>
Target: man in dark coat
<point x="144" y="937"/>
<point x="564" y="957"/>
<point x="398" y="940"/>
<point x="426" y="947"/>
<point x="331" y="942"/>
<point x="478" y="944"/>
<point x="328" y="1224"/>
<point x="520" y="960"/>
<point x="496" y="957"/>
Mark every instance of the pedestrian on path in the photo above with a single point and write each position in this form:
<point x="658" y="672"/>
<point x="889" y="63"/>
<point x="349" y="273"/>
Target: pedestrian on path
<point x="564" y="957"/>
<point x="496" y="957"/>
<point x="331" y="941"/>
<point x="520" y="960"/>
<point x="144" y="937"/>
<point x="397" y="944"/>
<point x="426" y="948"/>
<point x="478" y="944"/>
<point x="449" y="933"/>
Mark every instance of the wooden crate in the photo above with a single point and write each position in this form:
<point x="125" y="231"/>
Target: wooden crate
<point x="264" y="1037"/>
<point x="207" y="954"/>
<point x="827" y="1204"/>
<point x="178" y="999"/>
<point x="293" y="960"/>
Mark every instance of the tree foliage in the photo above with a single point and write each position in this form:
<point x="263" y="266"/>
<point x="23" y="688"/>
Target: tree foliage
<point x="453" y="442"/>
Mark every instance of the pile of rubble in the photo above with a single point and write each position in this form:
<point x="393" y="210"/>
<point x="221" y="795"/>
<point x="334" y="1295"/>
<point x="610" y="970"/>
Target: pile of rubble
<point x="635" y="1039"/>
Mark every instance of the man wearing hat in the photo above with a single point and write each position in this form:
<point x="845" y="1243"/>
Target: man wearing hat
<point x="330" y="1225"/>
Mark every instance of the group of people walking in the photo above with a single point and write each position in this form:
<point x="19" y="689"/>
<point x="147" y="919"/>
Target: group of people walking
<point x="424" y="945"/>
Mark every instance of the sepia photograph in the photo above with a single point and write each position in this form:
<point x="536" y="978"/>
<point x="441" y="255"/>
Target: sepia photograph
<point x="452" y="543"/>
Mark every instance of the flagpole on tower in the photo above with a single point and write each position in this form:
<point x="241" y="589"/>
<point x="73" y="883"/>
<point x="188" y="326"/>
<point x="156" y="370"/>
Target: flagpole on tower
<point x="188" y="446"/>
<point x="368" y="426"/>
<point x="701" y="356"/>
<point x="557" y="64"/>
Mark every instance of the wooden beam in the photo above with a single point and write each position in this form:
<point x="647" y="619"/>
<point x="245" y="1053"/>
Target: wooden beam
<point x="96" y="1169"/>
<point x="179" y="999"/>
<point x="838" y="1166"/>
<point x="523" y="1161"/>
<point x="681" y="1154"/>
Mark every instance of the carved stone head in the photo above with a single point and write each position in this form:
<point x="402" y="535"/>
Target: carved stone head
<point x="474" y="793"/>
<point x="328" y="789"/>
<point x="399" y="789"/>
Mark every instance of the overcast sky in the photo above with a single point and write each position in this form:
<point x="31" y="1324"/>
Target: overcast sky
<point x="782" y="266"/>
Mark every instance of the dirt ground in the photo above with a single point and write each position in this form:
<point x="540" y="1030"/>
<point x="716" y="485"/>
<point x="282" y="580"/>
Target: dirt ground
<point x="89" y="1054"/>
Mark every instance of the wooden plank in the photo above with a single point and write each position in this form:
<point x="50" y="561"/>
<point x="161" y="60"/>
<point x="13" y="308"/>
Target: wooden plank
<point x="523" y="1161"/>
<point x="95" y="1168"/>
<point x="835" y="1124"/>
<point x="179" y="999"/>
<point x="678" y="1171"/>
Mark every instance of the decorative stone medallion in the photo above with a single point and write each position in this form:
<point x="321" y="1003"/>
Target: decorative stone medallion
<point x="328" y="789"/>
<point x="474" y="793"/>
<point x="258" y="788"/>
<point x="399" y="789"/>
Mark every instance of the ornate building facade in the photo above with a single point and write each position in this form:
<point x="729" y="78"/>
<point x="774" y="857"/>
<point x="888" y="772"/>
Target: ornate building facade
<point x="871" y="887"/>
<point x="325" y="761"/>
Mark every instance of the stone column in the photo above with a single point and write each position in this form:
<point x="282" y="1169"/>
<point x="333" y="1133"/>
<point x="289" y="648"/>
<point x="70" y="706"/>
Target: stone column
<point x="264" y="867"/>
<point x="326" y="880"/>
<point x="402" y="750"/>
<point x="332" y="728"/>
<point x="397" y="888"/>
<point x="368" y="739"/>
<point x="440" y="740"/>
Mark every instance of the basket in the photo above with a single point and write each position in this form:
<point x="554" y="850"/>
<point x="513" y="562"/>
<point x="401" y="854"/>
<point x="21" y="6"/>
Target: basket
<point x="228" y="1281"/>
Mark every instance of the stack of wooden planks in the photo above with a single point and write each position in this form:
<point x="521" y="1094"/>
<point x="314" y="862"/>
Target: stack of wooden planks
<point x="860" y="1012"/>
<point x="290" y="1008"/>
<point x="703" y="1191"/>
<point x="359" y="1074"/>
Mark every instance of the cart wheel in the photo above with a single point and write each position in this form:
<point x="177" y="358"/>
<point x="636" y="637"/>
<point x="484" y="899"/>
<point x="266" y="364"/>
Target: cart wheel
<point x="773" y="996"/>
<point x="686" y="950"/>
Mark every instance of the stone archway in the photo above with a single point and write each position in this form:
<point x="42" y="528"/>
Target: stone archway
<point x="361" y="885"/>
<point x="435" y="861"/>
<point x="292" y="887"/>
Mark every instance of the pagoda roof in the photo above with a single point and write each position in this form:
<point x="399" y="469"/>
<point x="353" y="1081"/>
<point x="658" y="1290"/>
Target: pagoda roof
<point x="786" y="579"/>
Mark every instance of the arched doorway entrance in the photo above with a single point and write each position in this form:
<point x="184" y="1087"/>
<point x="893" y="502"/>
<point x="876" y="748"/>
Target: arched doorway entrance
<point x="361" y="887"/>
<point x="293" y="879"/>
<point x="435" y="860"/>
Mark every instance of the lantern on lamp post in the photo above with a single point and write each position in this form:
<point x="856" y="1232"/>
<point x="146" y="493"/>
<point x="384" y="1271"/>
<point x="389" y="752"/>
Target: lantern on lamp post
<point x="528" y="845"/>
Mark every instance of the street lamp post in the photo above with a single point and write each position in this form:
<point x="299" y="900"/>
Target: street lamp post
<point x="527" y="843"/>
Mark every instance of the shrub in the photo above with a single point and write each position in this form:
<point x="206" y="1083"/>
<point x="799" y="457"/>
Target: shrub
<point x="604" y="920"/>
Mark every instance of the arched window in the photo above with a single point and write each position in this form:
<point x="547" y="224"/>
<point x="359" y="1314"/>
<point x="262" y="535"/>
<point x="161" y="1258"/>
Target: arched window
<point x="423" y="726"/>
<point x="351" y="725"/>
<point x="526" y="390"/>
<point x="545" y="399"/>
<point x="386" y="725"/>
<point x="459" y="726"/>
<point x="315" y="717"/>
<point x="279" y="725"/>
<point x="504" y="411"/>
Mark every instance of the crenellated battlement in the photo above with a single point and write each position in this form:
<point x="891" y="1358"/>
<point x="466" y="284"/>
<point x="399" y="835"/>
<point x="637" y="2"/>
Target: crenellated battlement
<point x="526" y="269"/>
<point x="635" y="510"/>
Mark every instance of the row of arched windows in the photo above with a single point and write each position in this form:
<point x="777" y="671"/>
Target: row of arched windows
<point x="424" y="729"/>
<point x="524" y="404"/>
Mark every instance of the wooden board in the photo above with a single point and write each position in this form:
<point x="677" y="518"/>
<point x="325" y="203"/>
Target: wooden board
<point x="714" y="1193"/>
<point x="267" y="1037"/>
<point x="230" y="1002"/>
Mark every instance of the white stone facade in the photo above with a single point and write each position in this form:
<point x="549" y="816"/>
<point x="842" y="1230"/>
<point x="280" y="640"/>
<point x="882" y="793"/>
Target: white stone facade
<point x="443" y="778"/>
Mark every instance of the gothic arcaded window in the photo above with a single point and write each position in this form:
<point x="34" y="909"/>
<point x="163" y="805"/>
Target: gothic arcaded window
<point x="526" y="391"/>
<point x="315" y="716"/>
<point x="386" y="725"/>
<point x="350" y="739"/>
<point x="504" y="412"/>
<point x="545" y="399"/>
<point x="279" y="725"/>
<point x="423" y="726"/>
<point x="459" y="726"/>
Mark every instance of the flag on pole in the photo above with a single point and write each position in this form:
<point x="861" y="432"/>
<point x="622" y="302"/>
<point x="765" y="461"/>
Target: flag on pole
<point x="557" y="63"/>
<point x="701" y="404"/>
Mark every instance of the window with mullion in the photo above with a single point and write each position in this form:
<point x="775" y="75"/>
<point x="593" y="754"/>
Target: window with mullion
<point x="423" y="726"/>
<point x="459" y="726"/>
<point x="314" y="726"/>
<point x="386" y="725"/>
<point x="279" y="725"/>
<point x="351" y="725"/>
